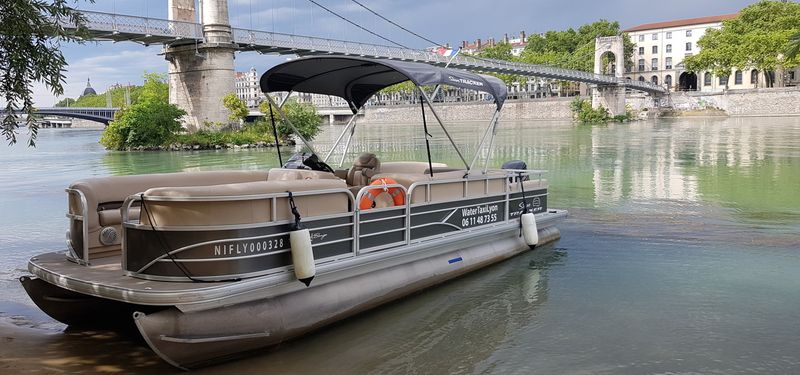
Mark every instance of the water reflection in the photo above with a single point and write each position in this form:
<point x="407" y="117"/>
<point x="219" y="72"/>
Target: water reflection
<point x="450" y="329"/>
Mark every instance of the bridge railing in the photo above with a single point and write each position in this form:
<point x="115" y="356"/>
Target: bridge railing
<point x="142" y="28"/>
<point x="116" y="23"/>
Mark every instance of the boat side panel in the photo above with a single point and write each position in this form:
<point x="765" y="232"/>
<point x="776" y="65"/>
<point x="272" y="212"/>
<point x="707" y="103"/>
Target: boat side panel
<point x="229" y="252"/>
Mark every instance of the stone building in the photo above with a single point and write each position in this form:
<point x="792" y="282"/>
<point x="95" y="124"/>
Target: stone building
<point x="661" y="47"/>
<point x="247" y="87"/>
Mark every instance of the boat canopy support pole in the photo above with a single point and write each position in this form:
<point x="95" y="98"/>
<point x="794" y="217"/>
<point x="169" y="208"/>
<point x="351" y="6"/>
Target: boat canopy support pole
<point x="439" y="120"/>
<point x="347" y="145"/>
<point x="483" y="139"/>
<point x="339" y="139"/>
<point x="285" y="118"/>
<point x="491" y="147"/>
<point x="427" y="135"/>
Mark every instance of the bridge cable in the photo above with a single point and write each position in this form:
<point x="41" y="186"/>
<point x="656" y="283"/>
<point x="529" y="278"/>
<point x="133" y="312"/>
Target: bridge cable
<point x="395" y="24"/>
<point x="357" y="25"/>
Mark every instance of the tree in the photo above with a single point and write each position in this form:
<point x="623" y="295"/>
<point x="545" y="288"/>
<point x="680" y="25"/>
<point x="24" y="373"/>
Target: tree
<point x="238" y="110"/>
<point x="151" y="122"/>
<point x="757" y="38"/>
<point x="303" y="116"/>
<point x="66" y="102"/>
<point x="30" y="35"/>
<point x="573" y="49"/>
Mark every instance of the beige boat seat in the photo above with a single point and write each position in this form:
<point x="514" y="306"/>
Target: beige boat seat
<point x="243" y="211"/>
<point x="365" y="166"/>
<point x="105" y="195"/>
<point x="409" y="167"/>
<point x="283" y="174"/>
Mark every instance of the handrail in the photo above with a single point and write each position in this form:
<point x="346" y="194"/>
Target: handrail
<point x="145" y="27"/>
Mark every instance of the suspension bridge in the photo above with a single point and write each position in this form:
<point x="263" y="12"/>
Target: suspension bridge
<point x="202" y="52"/>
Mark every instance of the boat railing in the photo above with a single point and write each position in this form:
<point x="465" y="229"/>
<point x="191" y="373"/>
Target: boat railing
<point x="361" y="231"/>
<point x="382" y="215"/>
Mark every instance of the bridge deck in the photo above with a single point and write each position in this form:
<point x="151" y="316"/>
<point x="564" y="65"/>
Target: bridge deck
<point x="159" y="31"/>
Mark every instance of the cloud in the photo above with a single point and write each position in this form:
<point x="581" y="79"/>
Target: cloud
<point x="105" y="64"/>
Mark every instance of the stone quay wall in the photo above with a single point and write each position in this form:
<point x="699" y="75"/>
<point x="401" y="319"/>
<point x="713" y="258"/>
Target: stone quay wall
<point x="534" y="109"/>
<point x="781" y="101"/>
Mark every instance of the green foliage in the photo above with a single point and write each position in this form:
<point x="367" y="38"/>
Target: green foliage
<point x="99" y="100"/>
<point x="151" y="122"/>
<point x="757" y="38"/>
<point x="252" y="133"/>
<point x="573" y="49"/>
<point x="583" y="112"/>
<point x="30" y="36"/>
<point x="303" y="116"/>
<point x="66" y="102"/>
<point x="236" y="106"/>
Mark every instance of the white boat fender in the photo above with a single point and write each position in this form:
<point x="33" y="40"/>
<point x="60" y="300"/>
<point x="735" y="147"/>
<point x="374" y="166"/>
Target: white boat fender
<point x="302" y="252"/>
<point x="529" y="230"/>
<point x="527" y="221"/>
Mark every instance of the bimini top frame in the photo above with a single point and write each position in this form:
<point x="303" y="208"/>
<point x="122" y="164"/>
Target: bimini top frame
<point x="356" y="79"/>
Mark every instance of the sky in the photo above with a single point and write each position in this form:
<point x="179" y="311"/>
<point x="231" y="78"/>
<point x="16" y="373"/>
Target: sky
<point x="443" y="21"/>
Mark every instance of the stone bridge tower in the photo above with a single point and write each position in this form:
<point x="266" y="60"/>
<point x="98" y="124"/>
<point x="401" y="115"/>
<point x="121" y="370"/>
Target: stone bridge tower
<point x="610" y="97"/>
<point x="201" y="75"/>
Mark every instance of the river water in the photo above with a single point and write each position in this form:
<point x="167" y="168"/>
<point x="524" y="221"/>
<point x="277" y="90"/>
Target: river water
<point x="680" y="255"/>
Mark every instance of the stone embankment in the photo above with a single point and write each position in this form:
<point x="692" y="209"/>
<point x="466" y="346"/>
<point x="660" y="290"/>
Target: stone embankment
<point x="784" y="101"/>
<point x="534" y="109"/>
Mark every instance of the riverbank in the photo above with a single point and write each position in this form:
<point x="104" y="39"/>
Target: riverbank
<point x="782" y="101"/>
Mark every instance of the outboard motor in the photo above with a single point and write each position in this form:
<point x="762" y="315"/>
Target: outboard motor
<point x="516" y="164"/>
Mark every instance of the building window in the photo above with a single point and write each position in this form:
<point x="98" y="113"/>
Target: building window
<point x="641" y="38"/>
<point x="791" y="75"/>
<point x="688" y="46"/>
<point x="655" y="49"/>
<point x="669" y="34"/>
<point x="641" y="50"/>
<point x="641" y="78"/>
<point x="737" y="78"/>
<point x="707" y="79"/>
<point x="723" y="80"/>
<point x="668" y="63"/>
<point x="754" y="76"/>
<point x="654" y="79"/>
<point x="688" y="32"/>
<point x="654" y="64"/>
<point x="669" y="48"/>
<point x="668" y="81"/>
<point x="641" y="65"/>
<point x="655" y="36"/>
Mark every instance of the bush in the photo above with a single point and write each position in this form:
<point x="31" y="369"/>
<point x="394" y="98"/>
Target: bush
<point x="151" y="122"/>
<point x="303" y="116"/>
<point x="249" y="134"/>
<point x="583" y="111"/>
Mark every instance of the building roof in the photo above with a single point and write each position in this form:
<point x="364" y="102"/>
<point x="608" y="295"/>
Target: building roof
<point x="88" y="90"/>
<point x="683" y="22"/>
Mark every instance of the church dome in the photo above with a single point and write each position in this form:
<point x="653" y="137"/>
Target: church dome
<point x="88" y="90"/>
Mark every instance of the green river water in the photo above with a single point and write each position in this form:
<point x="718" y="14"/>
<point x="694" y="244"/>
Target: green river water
<point x="681" y="253"/>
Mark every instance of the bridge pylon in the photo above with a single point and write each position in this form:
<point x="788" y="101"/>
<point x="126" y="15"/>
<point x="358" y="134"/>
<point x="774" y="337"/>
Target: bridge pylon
<point x="201" y="74"/>
<point x="609" y="97"/>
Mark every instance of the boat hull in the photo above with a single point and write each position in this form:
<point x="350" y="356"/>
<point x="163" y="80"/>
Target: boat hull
<point x="197" y="338"/>
<point x="81" y="310"/>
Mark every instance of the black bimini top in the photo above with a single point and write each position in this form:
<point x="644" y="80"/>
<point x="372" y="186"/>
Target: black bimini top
<point x="356" y="79"/>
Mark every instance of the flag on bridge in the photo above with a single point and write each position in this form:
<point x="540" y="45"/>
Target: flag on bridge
<point x="447" y="52"/>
